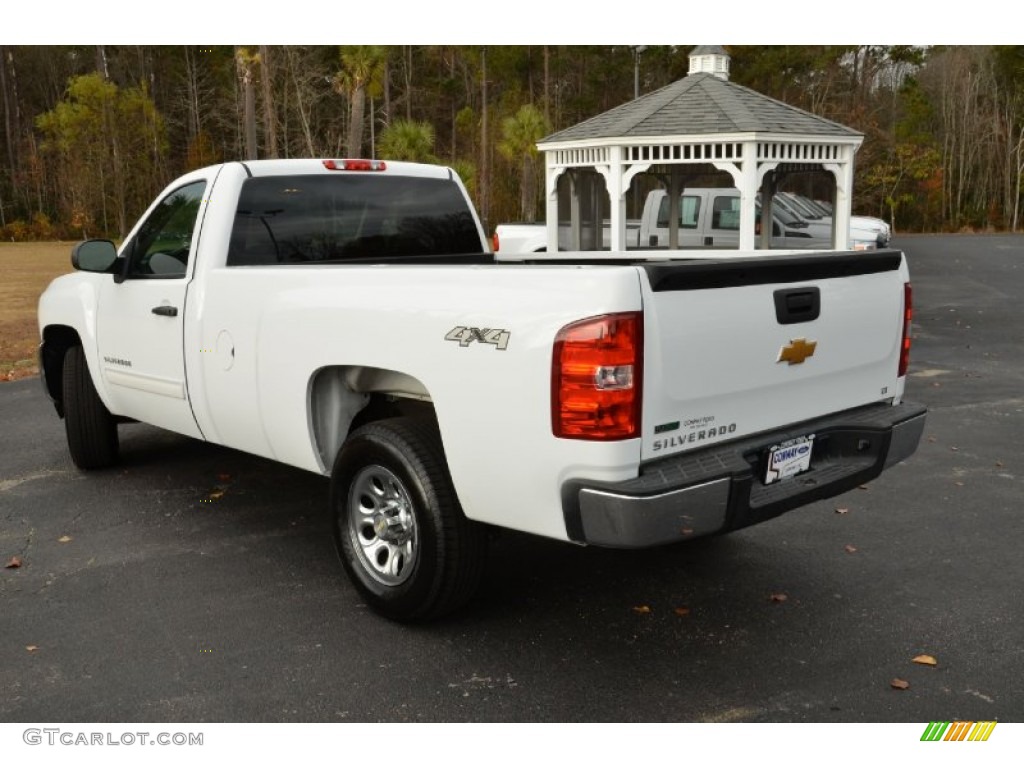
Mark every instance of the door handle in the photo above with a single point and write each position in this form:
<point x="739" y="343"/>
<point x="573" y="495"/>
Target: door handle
<point x="165" y="310"/>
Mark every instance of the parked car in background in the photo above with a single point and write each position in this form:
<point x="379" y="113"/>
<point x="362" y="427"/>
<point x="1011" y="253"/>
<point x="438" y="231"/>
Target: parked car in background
<point x="817" y="208"/>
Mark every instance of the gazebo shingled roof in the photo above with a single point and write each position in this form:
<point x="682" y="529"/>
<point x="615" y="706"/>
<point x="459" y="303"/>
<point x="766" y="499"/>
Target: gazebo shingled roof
<point x="701" y="104"/>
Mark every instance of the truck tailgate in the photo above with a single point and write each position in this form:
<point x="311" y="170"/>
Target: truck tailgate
<point x="734" y="347"/>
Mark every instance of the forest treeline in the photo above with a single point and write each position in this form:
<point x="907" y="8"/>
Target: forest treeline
<point x="92" y="133"/>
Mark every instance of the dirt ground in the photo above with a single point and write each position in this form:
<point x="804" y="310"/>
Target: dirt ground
<point x="25" y="271"/>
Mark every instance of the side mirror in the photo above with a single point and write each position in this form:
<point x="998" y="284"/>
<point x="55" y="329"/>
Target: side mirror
<point x="94" y="256"/>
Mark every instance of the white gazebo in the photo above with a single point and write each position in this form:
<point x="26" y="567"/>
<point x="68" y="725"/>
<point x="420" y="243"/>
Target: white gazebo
<point x="700" y="121"/>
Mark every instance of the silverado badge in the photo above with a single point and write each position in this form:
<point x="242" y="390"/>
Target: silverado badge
<point x="796" y="351"/>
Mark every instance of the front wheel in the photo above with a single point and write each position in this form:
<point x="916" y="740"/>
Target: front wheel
<point x="91" y="429"/>
<point x="398" y="526"/>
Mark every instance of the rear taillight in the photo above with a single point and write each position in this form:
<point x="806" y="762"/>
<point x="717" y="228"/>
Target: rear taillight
<point x="596" y="381"/>
<point x="355" y="165"/>
<point x="908" y="312"/>
<point x="494" y="242"/>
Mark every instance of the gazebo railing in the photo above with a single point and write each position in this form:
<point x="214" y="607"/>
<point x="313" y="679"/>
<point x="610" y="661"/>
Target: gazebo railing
<point x="776" y="150"/>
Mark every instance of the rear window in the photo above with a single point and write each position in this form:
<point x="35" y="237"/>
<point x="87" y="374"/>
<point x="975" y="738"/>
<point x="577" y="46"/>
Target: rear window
<point x="349" y="217"/>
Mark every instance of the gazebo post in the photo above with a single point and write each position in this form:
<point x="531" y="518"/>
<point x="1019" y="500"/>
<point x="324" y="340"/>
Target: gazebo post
<point x="833" y="235"/>
<point x="747" y="183"/>
<point x="617" y="200"/>
<point x="575" y="224"/>
<point x="767" y="195"/>
<point x="551" y="188"/>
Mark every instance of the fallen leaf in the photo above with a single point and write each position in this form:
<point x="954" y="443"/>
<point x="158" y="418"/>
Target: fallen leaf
<point x="778" y="597"/>
<point x="64" y="539"/>
<point x="641" y="609"/>
<point x="31" y="648"/>
<point x="899" y="685"/>
<point x="936" y="384"/>
<point x="687" y="531"/>
<point x="959" y="483"/>
<point x="864" y="487"/>
<point x="842" y="510"/>
<point x="682" y="610"/>
<point x="999" y="463"/>
<point x="216" y="494"/>
<point x="925" y="659"/>
<point x="953" y="448"/>
<point x="14" y="562"/>
<point x="850" y="548"/>
<point x="932" y="439"/>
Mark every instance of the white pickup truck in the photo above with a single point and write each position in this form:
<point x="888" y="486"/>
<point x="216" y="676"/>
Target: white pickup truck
<point x="345" y="317"/>
<point x="708" y="218"/>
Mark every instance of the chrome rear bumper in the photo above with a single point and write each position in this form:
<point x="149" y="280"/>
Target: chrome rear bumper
<point x="720" y="488"/>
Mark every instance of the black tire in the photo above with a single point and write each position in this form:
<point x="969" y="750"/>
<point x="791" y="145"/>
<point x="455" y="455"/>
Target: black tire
<point x="91" y="430"/>
<point x="400" y="532"/>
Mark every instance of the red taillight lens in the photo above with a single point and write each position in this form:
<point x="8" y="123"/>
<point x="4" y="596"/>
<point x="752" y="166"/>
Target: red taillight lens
<point x="355" y="165"/>
<point x="494" y="242"/>
<point x="596" y="381"/>
<point x="908" y="312"/>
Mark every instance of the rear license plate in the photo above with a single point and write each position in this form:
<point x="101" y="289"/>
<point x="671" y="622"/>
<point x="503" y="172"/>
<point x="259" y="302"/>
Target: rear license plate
<point x="789" y="458"/>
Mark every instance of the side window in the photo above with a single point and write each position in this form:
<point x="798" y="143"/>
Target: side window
<point x="725" y="214"/>
<point x="162" y="247"/>
<point x="662" y="222"/>
<point x="689" y="212"/>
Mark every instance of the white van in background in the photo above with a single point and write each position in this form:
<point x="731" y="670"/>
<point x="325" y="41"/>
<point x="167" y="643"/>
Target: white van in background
<point x="708" y="218"/>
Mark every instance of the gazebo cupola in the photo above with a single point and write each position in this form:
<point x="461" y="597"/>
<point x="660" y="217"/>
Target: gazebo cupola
<point x="701" y="124"/>
<point x="711" y="59"/>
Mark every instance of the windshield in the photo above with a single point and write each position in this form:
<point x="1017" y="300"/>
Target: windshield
<point x="800" y="207"/>
<point x="782" y="213"/>
<point x="815" y="206"/>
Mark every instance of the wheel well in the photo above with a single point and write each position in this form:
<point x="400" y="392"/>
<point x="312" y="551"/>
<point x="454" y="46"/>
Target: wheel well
<point x="345" y="397"/>
<point x="57" y="340"/>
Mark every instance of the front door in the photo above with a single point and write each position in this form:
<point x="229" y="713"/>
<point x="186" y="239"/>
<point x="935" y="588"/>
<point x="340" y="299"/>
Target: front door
<point x="141" y="320"/>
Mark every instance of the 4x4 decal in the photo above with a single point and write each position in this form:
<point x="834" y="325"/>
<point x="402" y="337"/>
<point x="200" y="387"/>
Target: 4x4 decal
<point x="466" y="336"/>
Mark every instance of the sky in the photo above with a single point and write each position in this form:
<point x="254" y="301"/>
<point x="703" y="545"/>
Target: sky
<point x="458" y="22"/>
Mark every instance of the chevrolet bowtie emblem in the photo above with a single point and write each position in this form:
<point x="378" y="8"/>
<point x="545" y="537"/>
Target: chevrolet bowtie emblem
<point x="796" y="351"/>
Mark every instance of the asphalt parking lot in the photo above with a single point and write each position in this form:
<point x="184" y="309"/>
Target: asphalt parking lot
<point x="194" y="583"/>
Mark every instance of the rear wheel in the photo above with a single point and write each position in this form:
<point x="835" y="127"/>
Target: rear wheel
<point x="91" y="429"/>
<point x="398" y="526"/>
